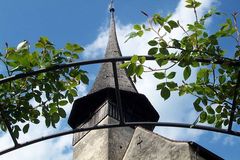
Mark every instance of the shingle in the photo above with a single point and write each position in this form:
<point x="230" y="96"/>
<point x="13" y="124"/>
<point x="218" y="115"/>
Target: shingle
<point x="105" y="76"/>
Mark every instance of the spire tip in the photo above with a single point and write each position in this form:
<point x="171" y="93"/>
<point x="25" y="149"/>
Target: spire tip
<point x="111" y="7"/>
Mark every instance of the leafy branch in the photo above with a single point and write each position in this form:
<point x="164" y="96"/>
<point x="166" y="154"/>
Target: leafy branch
<point x="214" y="84"/>
<point x="25" y="100"/>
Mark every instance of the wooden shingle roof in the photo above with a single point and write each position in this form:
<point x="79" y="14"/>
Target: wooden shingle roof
<point x="105" y="78"/>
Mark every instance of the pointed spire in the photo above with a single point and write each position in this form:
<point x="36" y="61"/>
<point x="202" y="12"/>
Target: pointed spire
<point x="105" y="76"/>
<point x="111" y="7"/>
<point x="112" y="49"/>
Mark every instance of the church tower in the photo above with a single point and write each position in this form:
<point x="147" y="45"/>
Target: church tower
<point x="100" y="107"/>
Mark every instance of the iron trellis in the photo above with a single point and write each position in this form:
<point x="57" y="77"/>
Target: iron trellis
<point x="122" y="123"/>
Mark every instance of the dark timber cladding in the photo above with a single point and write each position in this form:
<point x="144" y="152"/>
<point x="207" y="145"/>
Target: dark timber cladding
<point x="105" y="77"/>
<point x="136" y="107"/>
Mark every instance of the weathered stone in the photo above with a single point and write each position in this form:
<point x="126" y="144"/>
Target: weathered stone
<point x="124" y="143"/>
<point x="93" y="145"/>
<point x="147" y="145"/>
<point x="104" y="144"/>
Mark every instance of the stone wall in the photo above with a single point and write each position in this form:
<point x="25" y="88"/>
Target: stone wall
<point x="103" y="144"/>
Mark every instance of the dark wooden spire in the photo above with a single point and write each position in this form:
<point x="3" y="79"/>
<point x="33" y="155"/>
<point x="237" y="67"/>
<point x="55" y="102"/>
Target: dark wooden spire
<point x="101" y="101"/>
<point x="105" y="76"/>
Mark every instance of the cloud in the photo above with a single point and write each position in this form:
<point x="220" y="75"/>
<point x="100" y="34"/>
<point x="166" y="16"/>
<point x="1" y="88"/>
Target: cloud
<point x="97" y="48"/>
<point x="176" y="109"/>
<point x="58" y="148"/>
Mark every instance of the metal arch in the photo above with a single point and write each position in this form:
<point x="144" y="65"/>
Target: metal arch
<point x="122" y="123"/>
<point x="125" y="58"/>
<point x="132" y="124"/>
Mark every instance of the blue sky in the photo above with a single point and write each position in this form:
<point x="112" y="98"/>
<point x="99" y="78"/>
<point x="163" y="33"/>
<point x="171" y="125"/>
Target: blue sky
<point x="86" y="23"/>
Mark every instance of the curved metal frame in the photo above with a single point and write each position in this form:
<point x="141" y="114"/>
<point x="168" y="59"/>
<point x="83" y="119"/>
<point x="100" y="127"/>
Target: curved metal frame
<point x="228" y="131"/>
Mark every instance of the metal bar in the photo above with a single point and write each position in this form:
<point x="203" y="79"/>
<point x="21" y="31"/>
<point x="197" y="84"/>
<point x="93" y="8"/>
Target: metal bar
<point x="131" y="124"/>
<point x="234" y="105"/>
<point x="9" y="129"/>
<point x="127" y="58"/>
<point x="117" y="92"/>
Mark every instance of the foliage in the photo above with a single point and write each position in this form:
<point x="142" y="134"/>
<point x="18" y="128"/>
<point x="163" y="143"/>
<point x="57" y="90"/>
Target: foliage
<point x="27" y="100"/>
<point x="216" y="86"/>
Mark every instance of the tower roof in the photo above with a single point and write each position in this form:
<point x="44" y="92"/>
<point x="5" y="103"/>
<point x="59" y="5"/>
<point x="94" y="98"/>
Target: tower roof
<point x="136" y="107"/>
<point x="105" y="78"/>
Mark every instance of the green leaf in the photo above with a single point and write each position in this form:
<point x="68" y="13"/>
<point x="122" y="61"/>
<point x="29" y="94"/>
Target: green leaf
<point x="139" y="70"/>
<point x="16" y="131"/>
<point x="167" y="28"/>
<point x="55" y="118"/>
<point x="163" y="44"/>
<point x="140" y="33"/>
<point x="153" y="43"/>
<point x="25" y="128"/>
<point x="171" y="75"/>
<point x="47" y="121"/>
<point x="226" y="122"/>
<point x="131" y="69"/>
<point x="187" y="72"/>
<point x="161" y="62"/>
<point x="77" y="48"/>
<point x="142" y="59"/>
<point x="124" y="65"/>
<point x="73" y="92"/>
<point x="165" y="93"/>
<point x="197" y="4"/>
<point x="160" y="86"/>
<point x="67" y="54"/>
<point x="159" y="75"/>
<point x="222" y="79"/>
<point x="172" y="24"/>
<point x="69" y="46"/>
<point x="84" y="79"/>
<point x="39" y="45"/>
<point x="203" y="73"/>
<point x="153" y="51"/>
<point x="204" y="100"/>
<point x="134" y="59"/>
<point x="62" y="112"/>
<point x="203" y="117"/>
<point x="137" y="27"/>
<point x="197" y="107"/>
<point x="176" y="43"/>
<point x="219" y="124"/>
<point x="211" y="119"/>
<point x="36" y="121"/>
<point x="210" y="110"/>
<point x="219" y="109"/>
<point x="171" y="85"/>
<point x="164" y="51"/>
<point x="131" y="35"/>
<point x="70" y="98"/>
<point x="53" y="108"/>
<point x="189" y="6"/>
<point x="38" y="98"/>
<point x="63" y="102"/>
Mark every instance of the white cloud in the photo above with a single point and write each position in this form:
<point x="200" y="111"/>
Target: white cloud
<point x="176" y="109"/>
<point x="58" y="148"/>
<point x="97" y="48"/>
